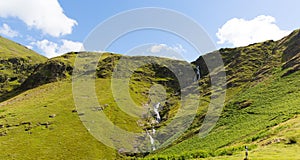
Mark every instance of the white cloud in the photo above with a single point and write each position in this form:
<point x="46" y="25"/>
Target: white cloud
<point x="178" y="48"/>
<point x="241" y="32"/>
<point x="7" y="31"/>
<point x="52" y="49"/>
<point x="163" y="48"/>
<point x="29" y="47"/>
<point x="49" y="48"/>
<point x="45" y="15"/>
<point x="68" y="46"/>
<point x="157" y="48"/>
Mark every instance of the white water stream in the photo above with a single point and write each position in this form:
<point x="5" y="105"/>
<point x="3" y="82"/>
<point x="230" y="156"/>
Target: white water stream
<point x="155" y="109"/>
<point x="158" y="119"/>
<point x="198" y="75"/>
<point x="151" y="140"/>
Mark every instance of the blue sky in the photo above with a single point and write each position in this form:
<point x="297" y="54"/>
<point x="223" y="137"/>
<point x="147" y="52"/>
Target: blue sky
<point x="53" y="27"/>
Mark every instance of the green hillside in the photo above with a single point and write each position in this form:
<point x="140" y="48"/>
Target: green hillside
<point x="262" y="90"/>
<point x="42" y="112"/>
<point x="16" y="64"/>
<point x="25" y="121"/>
<point x="247" y="119"/>
<point x="261" y="110"/>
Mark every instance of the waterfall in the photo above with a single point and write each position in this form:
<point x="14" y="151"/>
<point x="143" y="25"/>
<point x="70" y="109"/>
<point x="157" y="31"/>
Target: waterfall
<point x="198" y="75"/>
<point x="158" y="119"/>
<point x="153" y="131"/>
<point x="155" y="109"/>
<point x="151" y="140"/>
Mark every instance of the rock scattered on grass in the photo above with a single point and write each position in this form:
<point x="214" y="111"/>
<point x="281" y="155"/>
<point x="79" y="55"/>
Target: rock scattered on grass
<point x="244" y="104"/>
<point x="25" y="123"/>
<point x="8" y="125"/>
<point x="4" y="133"/>
<point x="46" y="124"/>
<point x="97" y="108"/>
<point x="28" y="128"/>
<point x="52" y="116"/>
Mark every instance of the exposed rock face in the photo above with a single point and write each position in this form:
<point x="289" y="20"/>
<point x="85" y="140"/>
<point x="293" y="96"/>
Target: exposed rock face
<point x="290" y="45"/>
<point x="49" y="72"/>
<point x="163" y="71"/>
<point x="244" y="64"/>
<point x="17" y="62"/>
<point x="291" y="53"/>
<point x="255" y="62"/>
<point x="106" y="66"/>
<point x="18" y="68"/>
<point x="291" y="65"/>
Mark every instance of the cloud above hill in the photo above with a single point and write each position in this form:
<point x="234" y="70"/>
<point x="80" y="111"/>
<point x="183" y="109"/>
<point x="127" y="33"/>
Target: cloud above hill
<point x="159" y="50"/>
<point x="44" y="15"/>
<point x="7" y="31"/>
<point x="51" y="49"/>
<point x="165" y="48"/>
<point x="241" y="32"/>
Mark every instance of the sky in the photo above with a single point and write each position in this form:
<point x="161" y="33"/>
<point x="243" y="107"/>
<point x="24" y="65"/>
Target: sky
<point x="54" y="27"/>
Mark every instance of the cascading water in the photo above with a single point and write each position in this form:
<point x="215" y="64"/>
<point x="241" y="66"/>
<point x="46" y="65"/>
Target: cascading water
<point x="153" y="131"/>
<point x="155" y="109"/>
<point x="151" y="140"/>
<point x="198" y="75"/>
<point x="158" y="119"/>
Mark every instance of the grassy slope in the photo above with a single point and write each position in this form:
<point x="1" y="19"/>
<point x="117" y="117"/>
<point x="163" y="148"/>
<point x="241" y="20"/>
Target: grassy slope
<point x="10" y="49"/>
<point x="25" y="118"/>
<point x="64" y="138"/>
<point x="254" y="77"/>
<point x="272" y="98"/>
<point x="276" y="146"/>
<point x="272" y="102"/>
<point x="17" y="63"/>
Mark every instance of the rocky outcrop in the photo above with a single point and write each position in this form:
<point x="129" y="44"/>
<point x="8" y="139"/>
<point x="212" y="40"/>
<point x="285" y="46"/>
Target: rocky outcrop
<point x="48" y="72"/>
